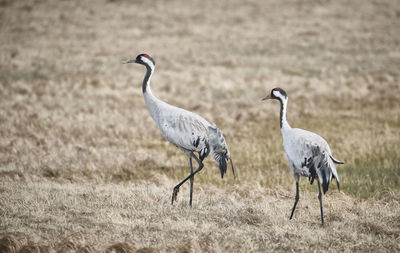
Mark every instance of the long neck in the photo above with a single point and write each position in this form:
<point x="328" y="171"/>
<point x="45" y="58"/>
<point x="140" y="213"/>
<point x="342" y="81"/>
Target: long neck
<point x="146" y="80"/>
<point x="153" y="104"/>
<point x="283" y="121"/>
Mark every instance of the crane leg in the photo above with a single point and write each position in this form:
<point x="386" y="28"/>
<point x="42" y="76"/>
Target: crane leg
<point x="176" y="188"/>
<point x="191" y="180"/>
<point x="296" y="199"/>
<point x="320" y="202"/>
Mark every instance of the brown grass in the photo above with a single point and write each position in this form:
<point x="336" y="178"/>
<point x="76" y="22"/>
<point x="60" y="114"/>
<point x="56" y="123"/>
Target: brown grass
<point x="239" y="218"/>
<point x="83" y="167"/>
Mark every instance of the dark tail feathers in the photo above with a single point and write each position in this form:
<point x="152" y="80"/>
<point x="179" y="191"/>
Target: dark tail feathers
<point x="223" y="166"/>
<point x="325" y="181"/>
<point x="219" y="149"/>
<point x="336" y="160"/>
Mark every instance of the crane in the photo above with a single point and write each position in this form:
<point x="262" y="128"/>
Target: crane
<point x="307" y="153"/>
<point x="186" y="130"/>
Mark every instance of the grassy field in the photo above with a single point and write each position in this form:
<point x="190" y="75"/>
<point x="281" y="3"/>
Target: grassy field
<point x="83" y="167"/>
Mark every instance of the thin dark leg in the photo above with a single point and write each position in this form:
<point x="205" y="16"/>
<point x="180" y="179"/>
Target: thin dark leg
<point x="191" y="180"/>
<point x="295" y="199"/>
<point x="320" y="202"/>
<point x="176" y="188"/>
<point x="233" y="170"/>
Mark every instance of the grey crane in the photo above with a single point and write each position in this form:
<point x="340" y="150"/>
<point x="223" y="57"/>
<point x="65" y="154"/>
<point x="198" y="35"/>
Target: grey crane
<point x="186" y="130"/>
<point x="307" y="153"/>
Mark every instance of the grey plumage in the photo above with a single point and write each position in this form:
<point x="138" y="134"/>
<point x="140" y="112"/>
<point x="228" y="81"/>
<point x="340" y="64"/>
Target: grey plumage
<point x="186" y="130"/>
<point x="308" y="154"/>
<point x="218" y="149"/>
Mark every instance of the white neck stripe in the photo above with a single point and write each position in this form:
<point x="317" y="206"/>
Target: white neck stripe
<point x="148" y="62"/>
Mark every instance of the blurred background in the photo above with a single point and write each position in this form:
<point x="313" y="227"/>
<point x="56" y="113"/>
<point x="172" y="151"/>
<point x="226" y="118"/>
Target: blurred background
<point x="71" y="111"/>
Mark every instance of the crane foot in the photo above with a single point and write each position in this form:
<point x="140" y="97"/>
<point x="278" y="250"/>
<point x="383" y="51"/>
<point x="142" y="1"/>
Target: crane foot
<point x="174" y="195"/>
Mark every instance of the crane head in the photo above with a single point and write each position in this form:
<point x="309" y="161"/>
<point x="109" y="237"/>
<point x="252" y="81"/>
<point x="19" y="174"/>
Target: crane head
<point x="276" y="93"/>
<point x="143" y="59"/>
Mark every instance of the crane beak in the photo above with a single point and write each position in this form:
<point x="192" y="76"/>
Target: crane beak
<point x="128" y="61"/>
<point x="265" y="98"/>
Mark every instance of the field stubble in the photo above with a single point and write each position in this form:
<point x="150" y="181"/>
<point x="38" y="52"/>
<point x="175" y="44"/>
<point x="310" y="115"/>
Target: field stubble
<point x="84" y="168"/>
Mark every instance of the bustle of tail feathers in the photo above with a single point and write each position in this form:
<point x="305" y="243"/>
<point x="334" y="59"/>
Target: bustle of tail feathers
<point x="335" y="175"/>
<point x="218" y="148"/>
<point x="323" y="171"/>
<point x="324" y="168"/>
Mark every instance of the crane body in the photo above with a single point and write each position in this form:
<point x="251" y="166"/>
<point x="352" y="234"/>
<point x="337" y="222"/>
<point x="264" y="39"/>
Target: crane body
<point x="186" y="130"/>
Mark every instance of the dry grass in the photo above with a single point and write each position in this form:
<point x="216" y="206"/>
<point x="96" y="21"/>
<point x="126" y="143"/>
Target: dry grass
<point x="96" y="217"/>
<point x="84" y="168"/>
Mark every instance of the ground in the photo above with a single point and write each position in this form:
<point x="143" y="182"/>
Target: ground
<point x="83" y="167"/>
